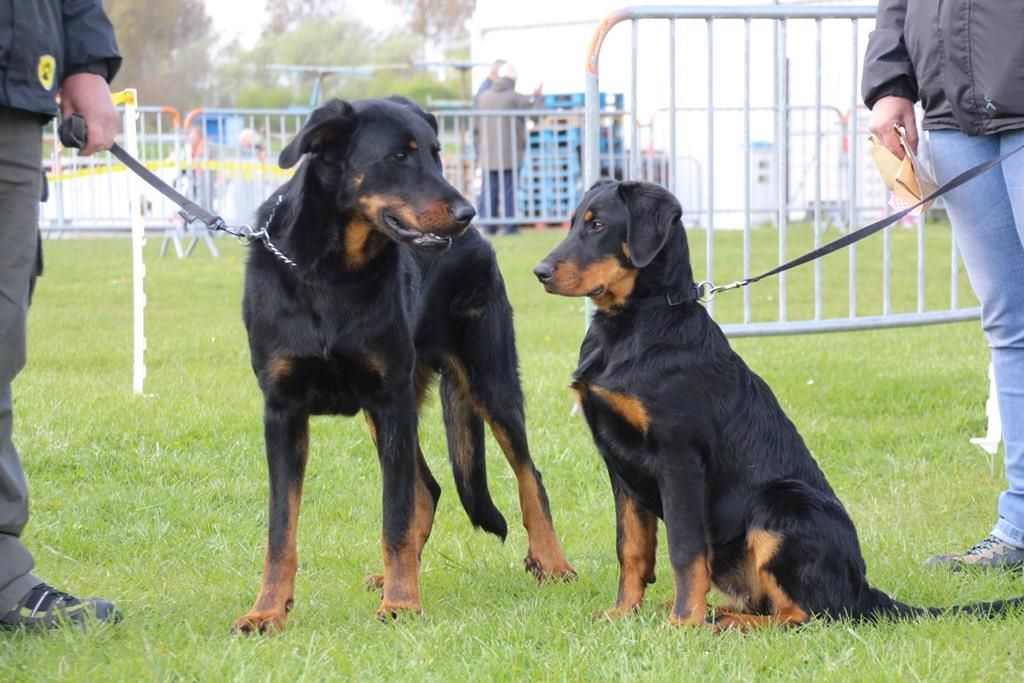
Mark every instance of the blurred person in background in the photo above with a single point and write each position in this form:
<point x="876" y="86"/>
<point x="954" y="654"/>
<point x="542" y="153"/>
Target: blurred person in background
<point x="500" y="143"/>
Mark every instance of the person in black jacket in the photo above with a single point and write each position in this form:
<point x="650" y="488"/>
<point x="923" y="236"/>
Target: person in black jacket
<point x="46" y="47"/>
<point x="964" y="62"/>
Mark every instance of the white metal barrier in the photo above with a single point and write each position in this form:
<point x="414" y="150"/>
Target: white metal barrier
<point x="710" y="96"/>
<point x="224" y="159"/>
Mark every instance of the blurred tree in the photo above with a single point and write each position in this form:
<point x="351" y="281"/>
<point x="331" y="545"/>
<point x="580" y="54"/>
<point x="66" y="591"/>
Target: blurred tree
<point x="437" y="21"/>
<point x="329" y="41"/>
<point x="285" y="15"/>
<point x="166" y="46"/>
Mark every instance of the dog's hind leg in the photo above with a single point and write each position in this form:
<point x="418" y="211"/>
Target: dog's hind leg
<point x="286" y="432"/>
<point x="498" y="400"/>
<point x="782" y="610"/>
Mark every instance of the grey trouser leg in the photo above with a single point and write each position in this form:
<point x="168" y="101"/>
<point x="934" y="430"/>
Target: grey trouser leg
<point x="20" y="184"/>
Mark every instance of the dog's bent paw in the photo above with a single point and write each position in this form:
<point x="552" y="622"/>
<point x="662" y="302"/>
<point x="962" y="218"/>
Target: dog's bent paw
<point x="558" y="570"/>
<point x="616" y="612"/>
<point x="692" y="619"/>
<point x="724" y="620"/>
<point x="260" y="622"/>
<point x="391" y="610"/>
<point x="374" y="582"/>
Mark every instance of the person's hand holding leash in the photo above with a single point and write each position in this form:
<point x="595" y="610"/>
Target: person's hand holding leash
<point x="88" y="96"/>
<point x="894" y="110"/>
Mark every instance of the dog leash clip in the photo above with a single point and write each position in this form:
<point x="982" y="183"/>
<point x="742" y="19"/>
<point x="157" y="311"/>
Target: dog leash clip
<point x="706" y="290"/>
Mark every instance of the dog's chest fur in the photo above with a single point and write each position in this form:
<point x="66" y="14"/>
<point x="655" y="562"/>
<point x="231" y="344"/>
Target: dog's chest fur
<point x="610" y="384"/>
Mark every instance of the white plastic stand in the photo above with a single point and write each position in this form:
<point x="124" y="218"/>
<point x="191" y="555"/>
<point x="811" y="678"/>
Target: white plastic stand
<point x="990" y="442"/>
<point x="131" y="145"/>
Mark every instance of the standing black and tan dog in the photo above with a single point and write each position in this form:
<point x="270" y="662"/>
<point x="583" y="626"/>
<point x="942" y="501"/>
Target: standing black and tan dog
<point x="691" y="435"/>
<point x="390" y="290"/>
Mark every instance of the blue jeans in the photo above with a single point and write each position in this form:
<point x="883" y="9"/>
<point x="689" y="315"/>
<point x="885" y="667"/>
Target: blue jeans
<point x="498" y="192"/>
<point x="988" y="223"/>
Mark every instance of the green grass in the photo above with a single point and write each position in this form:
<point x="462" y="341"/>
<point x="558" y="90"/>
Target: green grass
<point x="159" y="502"/>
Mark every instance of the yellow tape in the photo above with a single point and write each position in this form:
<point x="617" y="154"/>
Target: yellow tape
<point x="230" y="170"/>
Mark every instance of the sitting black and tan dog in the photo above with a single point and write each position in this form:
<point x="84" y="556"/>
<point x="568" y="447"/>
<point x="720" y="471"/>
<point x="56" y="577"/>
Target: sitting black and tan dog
<point x="691" y="435"/>
<point x="389" y="291"/>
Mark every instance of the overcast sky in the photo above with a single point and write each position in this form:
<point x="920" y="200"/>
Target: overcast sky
<point x="244" y="18"/>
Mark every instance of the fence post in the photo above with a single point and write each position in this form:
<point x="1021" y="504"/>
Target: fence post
<point x="138" y="223"/>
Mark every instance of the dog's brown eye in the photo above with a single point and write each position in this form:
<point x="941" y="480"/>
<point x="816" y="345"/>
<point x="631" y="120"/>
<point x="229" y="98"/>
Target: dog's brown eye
<point x="401" y="156"/>
<point x="596" y="226"/>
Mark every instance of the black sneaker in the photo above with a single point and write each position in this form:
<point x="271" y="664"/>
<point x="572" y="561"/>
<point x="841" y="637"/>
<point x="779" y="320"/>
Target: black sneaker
<point x="992" y="553"/>
<point x="45" y="607"/>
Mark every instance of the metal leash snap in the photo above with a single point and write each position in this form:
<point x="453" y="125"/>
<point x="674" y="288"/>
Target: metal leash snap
<point x="246" y="234"/>
<point x="706" y="291"/>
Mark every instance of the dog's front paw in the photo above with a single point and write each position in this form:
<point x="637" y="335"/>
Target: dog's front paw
<point x="617" y="612"/>
<point x="374" y="582"/>
<point x="694" y="618"/>
<point x="262" y="621"/>
<point x="390" y="610"/>
<point x="556" y="570"/>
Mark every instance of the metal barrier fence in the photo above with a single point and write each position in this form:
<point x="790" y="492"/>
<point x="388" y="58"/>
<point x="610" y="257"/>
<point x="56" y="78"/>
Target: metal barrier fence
<point x="524" y="167"/>
<point x="224" y="159"/>
<point x="746" y="141"/>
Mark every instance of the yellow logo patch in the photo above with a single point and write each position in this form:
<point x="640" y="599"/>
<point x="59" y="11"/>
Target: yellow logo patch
<point x="46" y="70"/>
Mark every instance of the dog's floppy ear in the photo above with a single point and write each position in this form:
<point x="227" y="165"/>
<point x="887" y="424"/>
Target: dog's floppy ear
<point x="652" y="211"/>
<point x="332" y="121"/>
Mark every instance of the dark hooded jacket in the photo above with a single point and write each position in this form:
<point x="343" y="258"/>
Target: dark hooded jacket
<point x="963" y="59"/>
<point x="42" y="42"/>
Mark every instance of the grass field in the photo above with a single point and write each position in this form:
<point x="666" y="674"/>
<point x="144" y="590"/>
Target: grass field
<point x="160" y="502"/>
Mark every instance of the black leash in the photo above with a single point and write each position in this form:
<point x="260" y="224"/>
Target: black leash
<point x="705" y="291"/>
<point x="73" y="133"/>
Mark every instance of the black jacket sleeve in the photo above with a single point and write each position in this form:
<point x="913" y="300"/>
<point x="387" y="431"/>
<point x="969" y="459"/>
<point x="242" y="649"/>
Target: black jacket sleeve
<point x="89" y="42"/>
<point x="887" y="66"/>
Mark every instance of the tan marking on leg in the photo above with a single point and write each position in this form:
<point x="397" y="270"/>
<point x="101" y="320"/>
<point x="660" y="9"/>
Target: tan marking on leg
<point x="695" y="602"/>
<point x="270" y="611"/>
<point x="788" y="615"/>
<point x="402" y="565"/>
<point x="280" y="368"/>
<point x="371" y="426"/>
<point x="631" y="408"/>
<point x="762" y="546"/>
<point x="636" y="558"/>
<point x="422" y="381"/>
<point x="544" y="558"/>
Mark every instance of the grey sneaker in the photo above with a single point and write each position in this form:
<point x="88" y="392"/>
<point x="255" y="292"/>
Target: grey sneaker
<point x="45" y="607"/>
<point x="992" y="553"/>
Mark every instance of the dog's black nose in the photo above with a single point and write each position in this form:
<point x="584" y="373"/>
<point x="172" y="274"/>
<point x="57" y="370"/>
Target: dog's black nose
<point x="462" y="213"/>
<point x="544" y="271"/>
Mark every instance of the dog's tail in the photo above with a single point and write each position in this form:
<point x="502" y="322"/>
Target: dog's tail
<point x="465" y="432"/>
<point x="883" y="607"/>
